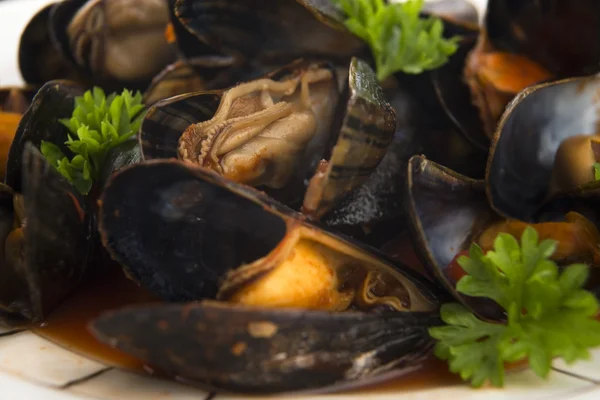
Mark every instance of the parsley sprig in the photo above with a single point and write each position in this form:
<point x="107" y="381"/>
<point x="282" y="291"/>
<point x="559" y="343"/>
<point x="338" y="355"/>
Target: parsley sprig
<point x="549" y="314"/>
<point x="399" y="38"/>
<point x="97" y="125"/>
<point x="597" y="171"/>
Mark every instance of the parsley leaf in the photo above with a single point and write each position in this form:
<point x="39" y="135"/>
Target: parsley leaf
<point x="97" y="125"/>
<point x="549" y="314"/>
<point x="399" y="38"/>
<point x="597" y="171"/>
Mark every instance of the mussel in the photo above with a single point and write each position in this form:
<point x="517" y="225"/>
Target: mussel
<point x="109" y="43"/>
<point x="52" y="243"/>
<point x="525" y="43"/>
<point x="265" y="34"/>
<point x="448" y="212"/>
<point x="545" y="146"/>
<point x="276" y="132"/>
<point x="45" y="242"/>
<point x="282" y="285"/>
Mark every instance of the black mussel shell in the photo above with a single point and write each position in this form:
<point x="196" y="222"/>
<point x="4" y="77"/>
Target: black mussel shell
<point x="265" y="31"/>
<point x="211" y="225"/>
<point x="422" y="127"/>
<point x="251" y="350"/>
<point x="54" y="246"/>
<point x="523" y="153"/>
<point x="554" y="33"/>
<point x="188" y="76"/>
<point x="188" y="45"/>
<point x="366" y="123"/>
<point x="55" y="100"/>
<point x="167" y="119"/>
<point x="39" y="59"/>
<point x="455" y="97"/>
<point x="445" y="211"/>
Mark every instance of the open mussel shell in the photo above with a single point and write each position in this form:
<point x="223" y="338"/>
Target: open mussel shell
<point x="45" y="255"/>
<point x="55" y="100"/>
<point x="263" y="31"/>
<point x="350" y="140"/>
<point x="214" y="226"/>
<point x="542" y="146"/>
<point x="553" y="33"/>
<point x="445" y="212"/>
<point x="252" y="350"/>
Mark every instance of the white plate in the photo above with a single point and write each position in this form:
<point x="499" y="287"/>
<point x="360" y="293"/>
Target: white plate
<point x="33" y="368"/>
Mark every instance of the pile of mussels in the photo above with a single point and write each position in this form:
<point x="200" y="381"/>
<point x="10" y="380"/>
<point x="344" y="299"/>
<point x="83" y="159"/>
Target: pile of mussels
<point x="272" y="167"/>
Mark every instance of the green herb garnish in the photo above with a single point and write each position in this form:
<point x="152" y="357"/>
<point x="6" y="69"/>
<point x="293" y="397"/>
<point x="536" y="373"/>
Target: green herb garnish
<point x="549" y="314"/>
<point x="597" y="171"/>
<point x="399" y="38"/>
<point x="97" y="125"/>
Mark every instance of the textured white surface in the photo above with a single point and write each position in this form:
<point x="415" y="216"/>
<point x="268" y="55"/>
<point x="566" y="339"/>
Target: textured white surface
<point x="31" y="366"/>
<point x="30" y="357"/>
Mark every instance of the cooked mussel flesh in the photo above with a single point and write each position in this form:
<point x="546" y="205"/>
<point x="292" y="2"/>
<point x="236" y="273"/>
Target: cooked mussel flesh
<point x="261" y="128"/>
